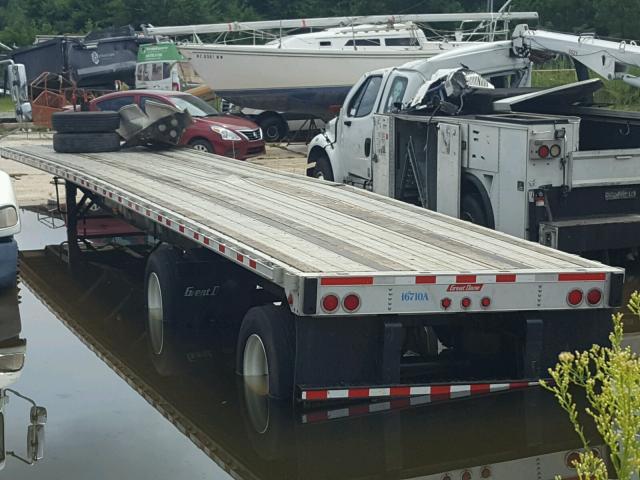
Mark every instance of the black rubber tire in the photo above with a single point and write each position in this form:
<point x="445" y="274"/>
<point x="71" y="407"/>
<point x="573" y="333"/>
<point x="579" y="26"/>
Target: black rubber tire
<point x="323" y="168"/>
<point x="269" y="424"/>
<point x="172" y="361"/>
<point x="275" y="326"/>
<point x="274" y="129"/>
<point x="201" y="142"/>
<point x="85" y="122"/>
<point x="426" y="341"/>
<point x="471" y="210"/>
<point x="86" y="142"/>
<point x="571" y="331"/>
<point x="162" y="263"/>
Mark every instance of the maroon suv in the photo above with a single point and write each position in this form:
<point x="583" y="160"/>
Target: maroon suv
<point x="211" y="131"/>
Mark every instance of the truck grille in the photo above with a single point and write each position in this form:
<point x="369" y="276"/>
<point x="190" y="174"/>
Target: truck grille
<point x="252" y="134"/>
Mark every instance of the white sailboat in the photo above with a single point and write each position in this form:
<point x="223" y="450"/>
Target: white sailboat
<point x="310" y="72"/>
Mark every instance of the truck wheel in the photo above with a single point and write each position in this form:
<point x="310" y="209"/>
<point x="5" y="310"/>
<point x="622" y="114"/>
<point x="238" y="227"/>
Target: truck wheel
<point x="273" y="128"/>
<point x="162" y="313"/>
<point x="85" y="122"/>
<point x="268" y="423"/>
<point x="201" y="145"/>
<point x="86" y="142"/>
<point x="426" y="341"/>
<point x="266" y="348"/>
<point x="570" y="331"/>
<point x="172" y="359"/>
<point x="471" y="210"/>
<point x="323" y="168"/>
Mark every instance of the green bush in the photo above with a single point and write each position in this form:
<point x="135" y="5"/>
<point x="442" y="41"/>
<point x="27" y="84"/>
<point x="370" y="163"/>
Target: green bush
<point x="610" y="380"/>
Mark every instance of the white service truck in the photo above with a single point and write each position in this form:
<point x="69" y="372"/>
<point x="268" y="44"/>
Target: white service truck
<point x="464" y="134"/>
<point x="9" y="226"/>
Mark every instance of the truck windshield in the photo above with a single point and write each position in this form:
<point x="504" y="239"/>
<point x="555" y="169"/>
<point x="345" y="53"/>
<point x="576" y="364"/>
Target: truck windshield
<point x="195" y="106"/>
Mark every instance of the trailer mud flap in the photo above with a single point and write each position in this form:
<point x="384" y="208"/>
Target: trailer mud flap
<point x="350" y="351"/>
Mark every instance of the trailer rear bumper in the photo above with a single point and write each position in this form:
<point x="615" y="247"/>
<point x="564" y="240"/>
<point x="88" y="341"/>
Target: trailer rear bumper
<point x="592" y="234"/>
<point x="354" y="359"/>
<point x="435" y="392"/>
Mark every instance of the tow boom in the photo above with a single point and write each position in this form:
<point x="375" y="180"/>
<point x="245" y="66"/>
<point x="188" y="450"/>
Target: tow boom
<point x="608" y="59"/>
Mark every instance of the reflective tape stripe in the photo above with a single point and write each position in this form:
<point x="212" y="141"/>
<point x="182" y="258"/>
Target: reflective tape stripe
<point x="465" y="279"/>
<point x="444" y="392"/>
<point x="441" y="391"/>
<point x="581" y="277"/>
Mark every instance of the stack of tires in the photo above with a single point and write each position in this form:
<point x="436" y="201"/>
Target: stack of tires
<point x="86" y="132"/>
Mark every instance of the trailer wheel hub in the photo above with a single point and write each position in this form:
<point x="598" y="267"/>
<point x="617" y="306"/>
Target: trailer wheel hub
<point x="155" y="314"/>
<point x="255" y="362"/>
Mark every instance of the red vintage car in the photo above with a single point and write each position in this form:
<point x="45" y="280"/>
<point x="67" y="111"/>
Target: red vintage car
<point x="211" y="130"/>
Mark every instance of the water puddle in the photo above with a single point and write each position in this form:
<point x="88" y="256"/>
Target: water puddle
<point x="115" y="410"/>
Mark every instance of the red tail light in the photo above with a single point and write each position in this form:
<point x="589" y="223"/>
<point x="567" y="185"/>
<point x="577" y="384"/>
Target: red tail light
<point x="466" y="475"/>
<point x="571" y="459"/>
<point x="594" y="296"/>
<point x="543" y="151"/>
<point x="351" y="302"/>
<point x="575" y="297"/>
<point x="445" y="303"/>
<point x="330" y="303"/>
<point x="485" y="302"/>
<point x="465" y="302"/>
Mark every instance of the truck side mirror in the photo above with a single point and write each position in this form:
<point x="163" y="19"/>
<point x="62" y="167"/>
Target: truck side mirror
<point x="35" y="442"/>
<point x="38" y="415"/>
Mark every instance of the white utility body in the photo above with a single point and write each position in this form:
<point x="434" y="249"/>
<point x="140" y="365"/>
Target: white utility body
<point x="343" y="259"/>
<point x="537" y="164"/>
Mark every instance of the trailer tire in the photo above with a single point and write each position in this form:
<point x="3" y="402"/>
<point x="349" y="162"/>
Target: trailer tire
<point x="571" y="331"/>
<point x="85" y="122"/>
<point x="323" y="168"/>
<point x="268" y="423"/>
<point x="427" y="341"/>
<point x="86" y="142"/>
<point x="161" y="302"/>
<point x="266" y="347"/>
<point x="273" y="128"/>
<point x="471" y="210"/>
<point x="172" y="360"/>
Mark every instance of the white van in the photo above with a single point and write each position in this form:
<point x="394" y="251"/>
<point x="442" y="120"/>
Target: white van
<point x="158" y="67"/>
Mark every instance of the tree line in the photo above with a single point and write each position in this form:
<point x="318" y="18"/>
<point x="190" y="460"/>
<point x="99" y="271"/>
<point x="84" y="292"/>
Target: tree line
<point x="21" y="20"/>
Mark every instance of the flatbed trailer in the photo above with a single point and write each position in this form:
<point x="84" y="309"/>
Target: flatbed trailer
<point x="347" y="286"/>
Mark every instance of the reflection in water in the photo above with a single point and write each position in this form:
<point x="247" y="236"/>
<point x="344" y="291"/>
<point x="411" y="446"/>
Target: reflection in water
<point x="190" y="382"/>
<point x="13" y="350"/>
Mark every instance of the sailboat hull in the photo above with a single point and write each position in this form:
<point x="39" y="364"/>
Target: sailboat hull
<point x="292" y="80"/>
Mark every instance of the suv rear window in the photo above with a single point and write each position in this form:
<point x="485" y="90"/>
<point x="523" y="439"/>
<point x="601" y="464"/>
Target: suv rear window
<point x="115" y="104"/>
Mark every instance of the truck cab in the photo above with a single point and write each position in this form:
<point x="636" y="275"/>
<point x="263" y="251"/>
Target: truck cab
<point x="343" y="152"/>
